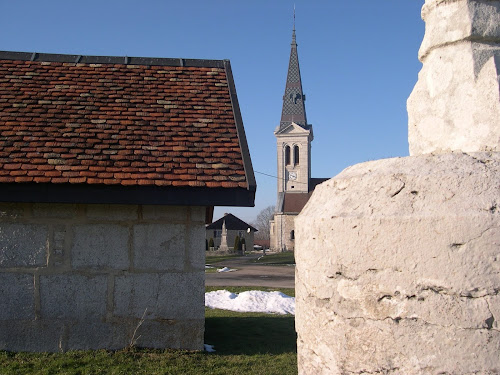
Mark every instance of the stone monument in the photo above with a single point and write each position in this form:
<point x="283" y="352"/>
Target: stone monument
<point x="398" y="260"/>
<point x="455" y="103"/>
<point x="223" y="238"/>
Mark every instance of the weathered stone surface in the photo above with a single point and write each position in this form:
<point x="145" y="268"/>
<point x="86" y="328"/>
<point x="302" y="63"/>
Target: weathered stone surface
<point x="160" y="296"/>
<point x="196" y="247"/>
<point x="77" y="297"/>
<point x="112" y="212"/>
<point x="171" y="213"/>
<point x="455" y="104"/>
<point x="176" y="334"/>
<point x="67" y="280"/>
<point x="17" y="289"/>
<point x="455" y="21"/>
<point x="54" y="210"/>
<point x="398" y="268"/>
<point x="23" y="245"/>
<point x="100" y="245"/>
<point x="12" y="210"/>
<point x="94" y="334"/>
<point x="31" y="335"/>
<point x="197" y="214"/>
<point x="159" y="246"/>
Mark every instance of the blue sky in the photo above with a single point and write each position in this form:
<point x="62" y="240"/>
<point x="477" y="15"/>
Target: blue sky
<point x="358" y="61"/>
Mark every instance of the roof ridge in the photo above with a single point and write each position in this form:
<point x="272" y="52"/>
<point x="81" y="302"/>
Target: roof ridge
<point x="122" y="60"/>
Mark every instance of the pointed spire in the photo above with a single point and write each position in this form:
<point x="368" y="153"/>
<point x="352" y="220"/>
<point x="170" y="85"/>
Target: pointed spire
<point x="293" y="100"/>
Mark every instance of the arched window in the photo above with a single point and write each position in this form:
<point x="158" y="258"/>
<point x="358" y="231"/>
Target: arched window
<point x="296" y="155"/>
<point x="287" y="155"/>
<point x="292" y="235"/>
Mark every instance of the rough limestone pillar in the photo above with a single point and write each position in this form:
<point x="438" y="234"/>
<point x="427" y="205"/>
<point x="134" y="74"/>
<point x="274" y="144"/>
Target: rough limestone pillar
<point x="455" y="104"/>
<point x="398" y="260"/>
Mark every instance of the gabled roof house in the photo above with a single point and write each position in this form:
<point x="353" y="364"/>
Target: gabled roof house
<point x="109" y="170"/>
<point x="234" y="226"/>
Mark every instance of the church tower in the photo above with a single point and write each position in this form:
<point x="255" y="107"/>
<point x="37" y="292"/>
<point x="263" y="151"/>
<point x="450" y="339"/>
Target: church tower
<point x="293" y="144"/>
<point x="294" y="134"/>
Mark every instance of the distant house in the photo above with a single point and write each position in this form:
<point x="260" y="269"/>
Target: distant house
<point x="235" y="227"/>
<point x="109" y="171"/>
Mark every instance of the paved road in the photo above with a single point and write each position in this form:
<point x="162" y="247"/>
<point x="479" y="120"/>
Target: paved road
<point x="251" y="274"/>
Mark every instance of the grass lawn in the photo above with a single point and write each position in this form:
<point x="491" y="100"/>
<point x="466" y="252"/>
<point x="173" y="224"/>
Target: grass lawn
<point x="211" y="259"/>
<point x="245" y="343"/>
<point x="278" y="259"/>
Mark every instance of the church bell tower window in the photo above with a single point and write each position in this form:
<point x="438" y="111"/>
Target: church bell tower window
<point x="296" y="155"/>
<point x="287" y="155"/>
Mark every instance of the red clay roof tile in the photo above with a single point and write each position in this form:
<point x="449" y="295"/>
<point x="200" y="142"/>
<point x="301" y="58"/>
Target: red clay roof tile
<point x="114" y="124"/>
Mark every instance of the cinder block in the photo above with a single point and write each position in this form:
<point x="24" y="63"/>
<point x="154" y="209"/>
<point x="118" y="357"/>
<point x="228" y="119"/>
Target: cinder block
<point x="177" y="334"/>
<point x="112" y="212"/>
<point x="170" y="213"/>
<point x="55" y="210"/>
<point x="198" y="213"/>
<point x="11" y="210"/>
<point x="31" y="335"/>
<point x="91" y="335"/>
<point x="165" y="296"/>
<point x="73" y="297"/>
<point x="23" y="245"/>
<point x="196" y="246"/>
<point x="17" y="296"/>
<point x="100" y="245"/>
<point x="159" y="246"/>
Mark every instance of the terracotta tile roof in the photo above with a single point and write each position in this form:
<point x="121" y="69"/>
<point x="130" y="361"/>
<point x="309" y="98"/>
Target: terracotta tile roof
<point x="120" y="121"/>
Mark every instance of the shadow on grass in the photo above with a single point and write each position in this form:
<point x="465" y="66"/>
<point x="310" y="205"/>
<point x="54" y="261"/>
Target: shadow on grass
<point x="259" y="334"/>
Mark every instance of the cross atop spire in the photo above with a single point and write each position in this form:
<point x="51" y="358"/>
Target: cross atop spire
<point x="293" y="101"/>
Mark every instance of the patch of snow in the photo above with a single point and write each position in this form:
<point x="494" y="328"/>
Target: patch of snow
<point x="209" y="348"/>
<point x="226" y="269"/>
<point x="252" y="301"/>
<point x="206" y="267"/>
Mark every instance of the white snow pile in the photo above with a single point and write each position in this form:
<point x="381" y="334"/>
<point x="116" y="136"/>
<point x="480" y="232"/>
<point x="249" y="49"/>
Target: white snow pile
<point x="225" y="269"/>
<point x="209" y="348"/>
<point x="252" y="301"/>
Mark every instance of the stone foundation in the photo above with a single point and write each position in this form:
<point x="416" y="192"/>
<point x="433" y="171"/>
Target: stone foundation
<point x="398" y="268"/>
<point x="85" y="276"/>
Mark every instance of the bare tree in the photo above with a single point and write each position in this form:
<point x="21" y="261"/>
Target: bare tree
<point x="262" y="223"/>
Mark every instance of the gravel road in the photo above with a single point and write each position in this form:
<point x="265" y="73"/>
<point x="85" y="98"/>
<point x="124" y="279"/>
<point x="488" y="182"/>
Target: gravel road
<point x="252" y="274"/>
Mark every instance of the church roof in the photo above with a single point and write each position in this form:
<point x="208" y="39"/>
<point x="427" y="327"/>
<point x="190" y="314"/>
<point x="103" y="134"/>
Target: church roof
<point x="293" y="203"/>
<point x="232" y="223"/>
<point x="294" y="109"/>
<point x="158" y="130"/>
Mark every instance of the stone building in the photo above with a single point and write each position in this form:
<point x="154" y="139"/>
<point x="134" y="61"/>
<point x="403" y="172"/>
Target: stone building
<point x="234" y="226"/>
<point x="293" y="142"/>
<point x="109" y="171"/>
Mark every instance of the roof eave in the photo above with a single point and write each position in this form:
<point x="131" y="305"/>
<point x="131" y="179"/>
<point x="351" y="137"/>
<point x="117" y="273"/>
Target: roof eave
<point x="245" y="152"/>
<point x="119" y="194"/>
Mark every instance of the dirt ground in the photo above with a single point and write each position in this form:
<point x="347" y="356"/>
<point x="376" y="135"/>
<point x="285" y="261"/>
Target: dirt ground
<point x="251" y="274"/>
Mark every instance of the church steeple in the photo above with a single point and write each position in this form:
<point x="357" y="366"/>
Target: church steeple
<point x="294" y="109"/>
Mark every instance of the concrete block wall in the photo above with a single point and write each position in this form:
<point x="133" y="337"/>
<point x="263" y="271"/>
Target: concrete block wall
<point x="85" y="276"/>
